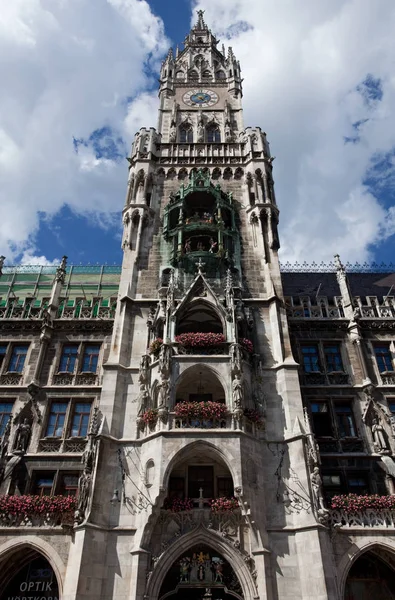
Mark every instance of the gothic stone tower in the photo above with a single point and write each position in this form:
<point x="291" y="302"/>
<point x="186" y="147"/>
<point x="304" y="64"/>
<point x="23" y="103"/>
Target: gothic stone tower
<point x="200" y="398"/>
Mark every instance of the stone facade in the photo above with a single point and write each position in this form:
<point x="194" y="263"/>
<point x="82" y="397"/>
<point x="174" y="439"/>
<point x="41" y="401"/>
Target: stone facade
<point x="198" y="407"/>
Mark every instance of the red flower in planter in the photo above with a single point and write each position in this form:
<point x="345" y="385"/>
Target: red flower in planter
<point x="200" y="410"/>
<point x="247" y="345"/>
<point x="178" y="504"/>
<point x="200" y="340"/>
<point x="150" y="417"/>
<point x="351" y="503"/>
<point x="28" y="506"/>
<point x="224" y="504"/>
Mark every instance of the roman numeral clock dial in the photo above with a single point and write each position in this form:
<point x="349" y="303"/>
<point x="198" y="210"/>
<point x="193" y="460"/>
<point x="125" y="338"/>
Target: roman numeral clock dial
<point x="200" y="98"/>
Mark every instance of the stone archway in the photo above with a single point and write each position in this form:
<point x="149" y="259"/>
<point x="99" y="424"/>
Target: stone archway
<point x="25" y="571"/>
<point x="371" y="575"/>
<point x="216" y="547"/>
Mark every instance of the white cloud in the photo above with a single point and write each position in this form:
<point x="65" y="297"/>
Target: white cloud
<point x="67" y="67"/>
<point x="66" y="70"/>
<point x="30" y="258"/>
<point x="302" y="63"/>
<point x="141" y="112"/>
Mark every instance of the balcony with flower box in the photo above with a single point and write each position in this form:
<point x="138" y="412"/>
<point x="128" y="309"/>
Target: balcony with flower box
<point x="353" y="511"/>
<point x="193" y="416"/>
<point x="201" y="343"/>
<point x="37" y="511"/>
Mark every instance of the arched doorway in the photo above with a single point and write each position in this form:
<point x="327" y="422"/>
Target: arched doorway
<point x="28" y="573"/>
<point x="370" y="577"/>
<point x="201" y="574"/>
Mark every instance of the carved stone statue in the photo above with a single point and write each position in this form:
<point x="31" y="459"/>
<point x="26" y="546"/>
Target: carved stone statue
<point x="172" y="134"/>
<point x="143" y="399"/>
<point x="200" y="131"/>
<point x="84" y="487"/>
<point x="228" y="133"/>
<point x="22" y="436"/>
<point x="240" y="316"/>
<point x="316" y="486"/>
<point x="164" y="360"/>
<point x="144" y="368"/>
<point x="235" y="358"/>
<point x="380" y="442"/>
<point x="237" y="392"/>
<point x="164" y="391"/>
<point x="2" y="259"/>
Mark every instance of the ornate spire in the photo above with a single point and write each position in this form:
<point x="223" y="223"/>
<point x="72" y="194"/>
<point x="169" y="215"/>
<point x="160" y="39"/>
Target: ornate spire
<point x="200" y="25"/>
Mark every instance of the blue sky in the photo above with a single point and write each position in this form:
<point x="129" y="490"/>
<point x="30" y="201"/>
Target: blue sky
<point x="79" y="78"/>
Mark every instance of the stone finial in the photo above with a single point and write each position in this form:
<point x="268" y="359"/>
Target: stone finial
<point x="61" y="270"/>
<point x="338" y="263"/>
<point x="200" y="23"/>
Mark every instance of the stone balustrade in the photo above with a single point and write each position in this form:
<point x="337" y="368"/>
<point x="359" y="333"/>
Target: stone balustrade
<point x="366" y="518"/>
<point x="170" y="422"/>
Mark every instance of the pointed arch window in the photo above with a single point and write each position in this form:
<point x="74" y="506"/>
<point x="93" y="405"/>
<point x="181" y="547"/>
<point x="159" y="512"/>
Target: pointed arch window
<point x="206" y="75"/>
<point x="213" y="134"/>
<point x="186" y="135"/>
<point x="220" y="75"/>
<point x="193" y="75"/>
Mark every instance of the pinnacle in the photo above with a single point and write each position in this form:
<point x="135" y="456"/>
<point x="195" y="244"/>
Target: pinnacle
<point x="200" y="25"/>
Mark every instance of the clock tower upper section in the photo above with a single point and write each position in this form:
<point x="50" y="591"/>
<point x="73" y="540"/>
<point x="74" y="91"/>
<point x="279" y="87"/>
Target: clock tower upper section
<point x="200" y="91"/>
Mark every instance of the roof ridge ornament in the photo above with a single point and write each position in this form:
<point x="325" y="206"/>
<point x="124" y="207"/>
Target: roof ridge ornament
<point x="200" y="25"/>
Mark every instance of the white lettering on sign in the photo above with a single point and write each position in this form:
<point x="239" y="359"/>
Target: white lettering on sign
<point x="32" y="598"/>
<point x="36" y="586"/>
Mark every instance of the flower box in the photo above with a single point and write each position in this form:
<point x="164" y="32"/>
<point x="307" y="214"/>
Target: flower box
<point x="352" y="503"/>
<point x="200" y="340"/>
<point x="221" y="505"/>
<point x="247" y="345"/>
<point x="37" y="510"/>
<point x="150" y="417"/>
<point x="200" y="410"/>
<point x="178" y="504"/>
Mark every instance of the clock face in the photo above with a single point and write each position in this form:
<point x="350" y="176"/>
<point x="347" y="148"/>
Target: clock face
<point x="200" y="98"/>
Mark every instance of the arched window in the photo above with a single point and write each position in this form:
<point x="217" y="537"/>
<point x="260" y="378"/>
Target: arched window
<point x="186" y="135"/>
<point x="213" y="134"/>
<point x="180" y="75"/>
<point x="193" y="74"/>
<point x="220" y="75"/>
<point x="206" y="75"/>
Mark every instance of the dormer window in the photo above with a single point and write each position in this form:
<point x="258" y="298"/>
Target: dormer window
<point x="193" y="75"/>
<point x="220" y="75"/>
<point x="206" y="74"/>
<point x="180" y="75"/>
